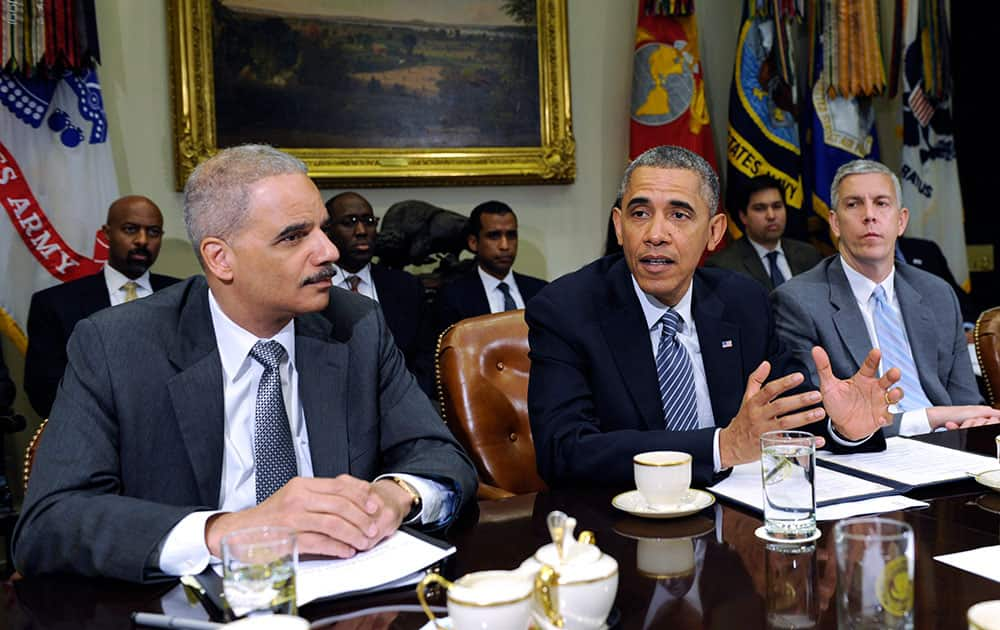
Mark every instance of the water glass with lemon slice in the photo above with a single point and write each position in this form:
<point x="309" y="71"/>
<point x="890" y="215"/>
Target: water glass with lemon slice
<point x="788" y="470"/>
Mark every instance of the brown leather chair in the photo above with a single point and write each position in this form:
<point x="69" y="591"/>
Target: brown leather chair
<point x="482" y="369"/>
<point x="987" y="337"/>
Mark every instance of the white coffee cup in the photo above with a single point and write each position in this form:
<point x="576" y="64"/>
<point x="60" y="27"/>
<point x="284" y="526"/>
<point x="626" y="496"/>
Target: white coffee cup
<point x="662" y="477"/>
<point x="984" y="615"/>
<point x="485" y="600"/>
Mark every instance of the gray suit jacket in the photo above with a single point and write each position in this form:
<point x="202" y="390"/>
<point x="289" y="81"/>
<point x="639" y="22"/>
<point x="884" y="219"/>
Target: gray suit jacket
<point x="818" y="308"/>
<point x="741" y="257"/>
<point x="135" y="439"/>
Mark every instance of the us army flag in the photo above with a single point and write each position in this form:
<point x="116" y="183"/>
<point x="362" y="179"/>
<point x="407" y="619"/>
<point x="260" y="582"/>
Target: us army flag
<point x="929" y="171"/>
<point x="668" y="92"/>
<point x="57" y="179"/>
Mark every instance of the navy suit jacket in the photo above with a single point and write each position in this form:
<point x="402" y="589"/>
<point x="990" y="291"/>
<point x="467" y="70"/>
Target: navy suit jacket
<point x="465" y="297"/>
<point x="593" y="394"/>
<point x="135" y="441"/>
<point x="52" y="316"/>
<point x="401" y="296"/>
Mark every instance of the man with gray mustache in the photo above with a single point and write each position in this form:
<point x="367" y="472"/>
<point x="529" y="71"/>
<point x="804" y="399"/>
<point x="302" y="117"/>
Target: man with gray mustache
<point x="255" y="395"/>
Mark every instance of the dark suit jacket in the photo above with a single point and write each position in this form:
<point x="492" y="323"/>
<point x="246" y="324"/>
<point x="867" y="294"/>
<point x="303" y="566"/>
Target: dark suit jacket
<point x="924" y="254"/>
<point x="818" y="308"/>
<point x="401" y="296"/>
<point x="135" y="442"/>
<point x="593" y="394"/>
<point x="53" y="314"/>
<point x="741" y="257"/>
<point x="466" y="297"/>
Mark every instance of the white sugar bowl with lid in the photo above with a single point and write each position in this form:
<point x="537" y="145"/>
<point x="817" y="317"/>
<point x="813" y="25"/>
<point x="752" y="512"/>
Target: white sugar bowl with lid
<point x="575" y="582"/>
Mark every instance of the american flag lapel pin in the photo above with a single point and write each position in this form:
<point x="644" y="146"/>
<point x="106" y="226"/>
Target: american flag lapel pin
<point x="727" y="343"/>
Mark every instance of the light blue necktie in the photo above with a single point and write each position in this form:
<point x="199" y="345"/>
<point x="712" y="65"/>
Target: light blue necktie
<point x="895" y="353"/>
<point x="273" y="452"/>
<point x="673" y="369"/>
<point x="777" y="278"/>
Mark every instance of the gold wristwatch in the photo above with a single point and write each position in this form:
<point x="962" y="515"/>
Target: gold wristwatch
<point x="415" y="501"/>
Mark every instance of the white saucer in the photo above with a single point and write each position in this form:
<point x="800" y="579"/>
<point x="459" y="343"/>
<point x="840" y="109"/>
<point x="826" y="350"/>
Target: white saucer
<point x="761" y="532"/>
<point x="632" y="502"/>
<point x="990" y="479"/>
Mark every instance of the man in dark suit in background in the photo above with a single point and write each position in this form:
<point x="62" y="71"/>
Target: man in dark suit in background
<point x="863" y="298"/>
<point x="763" y="253"/>
<point x="924" y="254"/>
<point x="644" y="352"/>
<point x="134" y="230"/>
<point x="400" y="294"/>
<point x="492" y="287"/>
<point x="255" y="395"/>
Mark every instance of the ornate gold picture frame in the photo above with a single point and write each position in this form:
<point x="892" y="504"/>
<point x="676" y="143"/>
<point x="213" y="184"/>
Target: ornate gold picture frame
<point x="551" y="161"/>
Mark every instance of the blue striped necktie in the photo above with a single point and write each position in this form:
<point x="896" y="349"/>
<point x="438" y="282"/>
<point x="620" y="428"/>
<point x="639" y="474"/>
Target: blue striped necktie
<point x="895" y="353"/>
<point x="673" y="369"/>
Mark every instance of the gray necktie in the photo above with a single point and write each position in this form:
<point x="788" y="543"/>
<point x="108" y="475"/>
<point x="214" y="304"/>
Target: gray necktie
<point x="676" y="377"/>
<point x="508" y="300"/>
<point x="777" y="278"/>
<point x="273" y="451"/>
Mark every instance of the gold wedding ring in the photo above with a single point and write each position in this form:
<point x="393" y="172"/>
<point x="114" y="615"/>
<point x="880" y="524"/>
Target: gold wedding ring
<point x="886" y="395"/>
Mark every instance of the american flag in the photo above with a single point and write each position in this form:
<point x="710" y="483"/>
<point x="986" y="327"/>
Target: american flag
<point x="922" y="108"/>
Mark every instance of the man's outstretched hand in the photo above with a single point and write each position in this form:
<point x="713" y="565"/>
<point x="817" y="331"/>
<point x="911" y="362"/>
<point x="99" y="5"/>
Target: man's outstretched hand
<point x="858" y="406"/>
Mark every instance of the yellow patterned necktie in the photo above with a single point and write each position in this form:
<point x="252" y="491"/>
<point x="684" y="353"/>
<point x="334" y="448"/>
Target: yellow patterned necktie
<point x="130" y="290"/>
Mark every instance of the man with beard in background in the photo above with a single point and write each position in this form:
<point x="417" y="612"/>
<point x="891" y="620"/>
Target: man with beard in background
<point x="134" y="230"/>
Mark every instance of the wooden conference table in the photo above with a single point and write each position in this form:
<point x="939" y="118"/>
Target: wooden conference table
<point x="736" y="581"/>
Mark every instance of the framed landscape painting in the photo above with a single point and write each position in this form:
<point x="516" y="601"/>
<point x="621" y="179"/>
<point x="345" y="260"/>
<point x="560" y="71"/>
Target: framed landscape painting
<point x="382" y="93"/>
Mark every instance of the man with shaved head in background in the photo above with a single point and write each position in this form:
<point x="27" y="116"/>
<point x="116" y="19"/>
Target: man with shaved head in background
<point x="134" y="230"/>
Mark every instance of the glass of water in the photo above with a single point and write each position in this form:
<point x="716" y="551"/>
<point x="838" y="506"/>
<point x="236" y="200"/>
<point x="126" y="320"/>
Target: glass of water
<point x="875" y="562"/>
<point x="259" y="566"/>
<point x="788" y="470"/>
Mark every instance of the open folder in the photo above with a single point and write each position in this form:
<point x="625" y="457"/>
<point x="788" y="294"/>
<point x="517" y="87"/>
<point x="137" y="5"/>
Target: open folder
<point x="400" y="560"/>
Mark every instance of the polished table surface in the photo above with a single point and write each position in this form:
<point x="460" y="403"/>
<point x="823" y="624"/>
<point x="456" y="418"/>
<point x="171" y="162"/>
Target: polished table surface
<point x="737" y="578"/>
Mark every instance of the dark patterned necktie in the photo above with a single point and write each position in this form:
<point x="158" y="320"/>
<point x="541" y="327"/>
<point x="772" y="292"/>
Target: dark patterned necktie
<point x="508" y="300"/>
<point x="777" y="278"/>
<point x="273" y="451"/>
<point x="673" y="369"/>
<point x="354" y="281"/>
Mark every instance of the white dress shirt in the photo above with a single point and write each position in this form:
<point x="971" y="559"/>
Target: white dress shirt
<point x="116" y="281"/>
<point x="366" y="287"/>
<point x="653" y="310"/>
<point x="493" y="292"/>
<point x="914" y="421"/>
<point x="184" y="550"/>
<point x="782" y="261"/>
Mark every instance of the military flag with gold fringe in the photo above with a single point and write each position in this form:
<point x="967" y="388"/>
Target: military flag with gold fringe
<point x="846" y="60"/>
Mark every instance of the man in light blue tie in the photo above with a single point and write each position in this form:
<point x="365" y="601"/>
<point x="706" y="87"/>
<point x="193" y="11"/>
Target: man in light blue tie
<point x="865" y="298"/>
